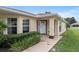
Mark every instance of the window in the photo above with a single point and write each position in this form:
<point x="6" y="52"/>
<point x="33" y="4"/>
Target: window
<point x="60" y="24"/>
<point x="26" y="25"/>
<point x="12" y="25"/>
<point x="75" y="25"/>
<point x="12" y="30"/>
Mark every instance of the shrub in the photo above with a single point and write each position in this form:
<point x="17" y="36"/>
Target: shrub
<point x="19" y="42"/>
<point x="2" y="28"/>
<point x="1" y="39"/>
<point x="26" y="42"/>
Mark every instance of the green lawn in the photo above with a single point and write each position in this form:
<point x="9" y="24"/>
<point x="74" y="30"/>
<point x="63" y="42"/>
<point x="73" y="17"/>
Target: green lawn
<point x="69" y="42"/>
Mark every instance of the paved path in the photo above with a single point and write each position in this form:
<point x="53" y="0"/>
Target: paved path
<point x="44" y="45"/>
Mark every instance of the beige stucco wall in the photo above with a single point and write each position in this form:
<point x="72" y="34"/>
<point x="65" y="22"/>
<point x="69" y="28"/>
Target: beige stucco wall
<point x="63" y="28"/>
<point x="4" y="18"/>
<point x="54" y="28"/>
<point x="32" y="24"/>
<point x="19" y="24"/>
<point x="51" y="26"/>
<point x="56" y="33"/>
<point x="48" y="26"/>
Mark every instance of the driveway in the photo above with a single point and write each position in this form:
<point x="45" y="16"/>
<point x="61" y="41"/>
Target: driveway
<point x="44" y="45"/>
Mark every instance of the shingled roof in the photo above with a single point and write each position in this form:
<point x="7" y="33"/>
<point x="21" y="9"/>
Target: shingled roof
<point x="40" y="15"/>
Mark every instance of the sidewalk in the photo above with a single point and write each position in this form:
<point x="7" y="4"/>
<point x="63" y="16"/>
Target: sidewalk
<point x="44" y="45"/>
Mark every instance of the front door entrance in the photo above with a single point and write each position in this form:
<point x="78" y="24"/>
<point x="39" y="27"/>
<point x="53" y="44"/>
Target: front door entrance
<point x="42" y="27"/>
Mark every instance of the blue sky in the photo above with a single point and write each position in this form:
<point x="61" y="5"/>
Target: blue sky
<point x="64" y="11"/>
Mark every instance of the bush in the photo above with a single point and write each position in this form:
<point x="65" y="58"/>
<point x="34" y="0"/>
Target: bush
<point x="2" y="37"/>
<point x="19" y="42"/>
<point x="21" y="45"/>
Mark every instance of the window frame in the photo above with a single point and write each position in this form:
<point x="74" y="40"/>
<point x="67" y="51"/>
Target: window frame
<point x="60" y="26"/>
<point x="11" y="25"/>
<point x="25" y="25"/>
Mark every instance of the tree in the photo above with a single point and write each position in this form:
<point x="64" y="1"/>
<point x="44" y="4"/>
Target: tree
<point x="70" y="20"/>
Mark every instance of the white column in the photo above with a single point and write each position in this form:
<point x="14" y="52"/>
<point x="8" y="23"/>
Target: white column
<point x="58" y="27"/>
<point x="5" y="31"/>
<point x="19" y="25"/>
<point x="51" y="27"/>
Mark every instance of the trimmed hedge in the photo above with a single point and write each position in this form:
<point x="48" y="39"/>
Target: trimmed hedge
<point x="20" y="42"/>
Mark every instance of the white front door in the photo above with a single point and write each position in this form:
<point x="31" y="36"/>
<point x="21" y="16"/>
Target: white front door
<point x="42" y="27"/>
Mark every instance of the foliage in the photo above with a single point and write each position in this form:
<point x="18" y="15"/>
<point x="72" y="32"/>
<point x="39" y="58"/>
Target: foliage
<point x="2" y="26"/>
<point x="25" y="43"/>
<point x="19" y="42"/>
<point x="70" y="21"/>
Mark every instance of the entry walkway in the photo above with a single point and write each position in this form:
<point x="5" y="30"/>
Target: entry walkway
<point x="44" y="45"/>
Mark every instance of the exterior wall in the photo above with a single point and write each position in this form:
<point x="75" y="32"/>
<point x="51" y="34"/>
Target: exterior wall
<point x="48" y="27"/>
<point x="56" y="27"/>
<point x="51" y="27"/>
<point x="76" y="25"/>
<point x="32" y="25"/>
<point x="4" y="19"/>
<point x="19" y="25"/>
<point x="63" y="28"/>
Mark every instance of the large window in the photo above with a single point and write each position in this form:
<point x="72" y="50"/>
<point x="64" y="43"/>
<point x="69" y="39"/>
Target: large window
<point x="26" y="25"/>
<point x="75" y="25"/>
<point x="12" y="25"/>
<point x="60" y="24"/>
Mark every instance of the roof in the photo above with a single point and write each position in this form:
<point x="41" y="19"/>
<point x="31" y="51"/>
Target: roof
<point x="16" y="11"/>
<point x="40" y="15"/>
<point x="75" y="23"/>
<point x="26" y="13"/>
<point x="46" y="14"/>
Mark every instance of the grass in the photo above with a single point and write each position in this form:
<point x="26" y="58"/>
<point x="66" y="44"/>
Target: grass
<point x="69" y="41"/>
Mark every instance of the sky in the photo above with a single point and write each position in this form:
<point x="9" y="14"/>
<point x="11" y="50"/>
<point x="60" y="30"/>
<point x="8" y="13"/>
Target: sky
<point x="64" y="11"/>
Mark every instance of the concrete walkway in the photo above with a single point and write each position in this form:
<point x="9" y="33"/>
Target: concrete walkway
<point x="44" y="45"/>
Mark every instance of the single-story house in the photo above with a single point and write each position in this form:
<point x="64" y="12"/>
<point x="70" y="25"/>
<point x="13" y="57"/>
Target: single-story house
<point x="18" y="21"/>
<point x="74" y="25"/>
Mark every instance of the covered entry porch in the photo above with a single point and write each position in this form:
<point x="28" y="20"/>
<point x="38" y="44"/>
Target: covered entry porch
<point x="48" y="27"/>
